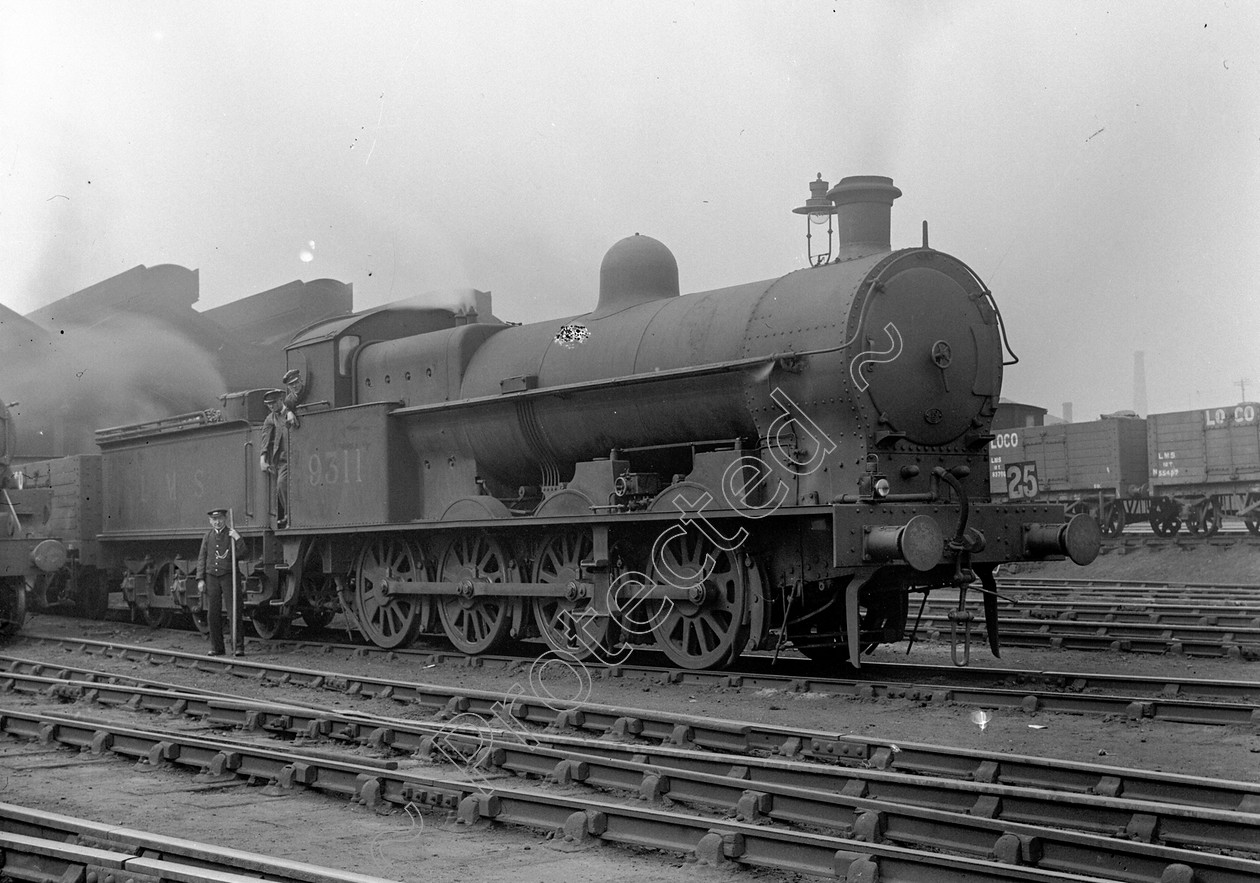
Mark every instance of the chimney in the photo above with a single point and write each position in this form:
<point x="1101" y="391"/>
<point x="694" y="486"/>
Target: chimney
<point x="864" y="214"/>
<point x="1067" y="412"/>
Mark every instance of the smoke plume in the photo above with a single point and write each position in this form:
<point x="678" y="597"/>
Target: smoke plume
<point x="81" y="379"/>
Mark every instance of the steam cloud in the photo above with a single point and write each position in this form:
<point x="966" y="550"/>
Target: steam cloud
<point x="82" y="379"/>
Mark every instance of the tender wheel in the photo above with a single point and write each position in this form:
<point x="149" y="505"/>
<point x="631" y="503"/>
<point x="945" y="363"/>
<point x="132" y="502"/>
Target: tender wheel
<point x="200" y="620"/>
<point x="1112" y="523"/>
<point x="475" y="624"/>
<point x="389" y="621"/>
<point x="163" y="583"/>
<point x="558" y="561"/>
<point x="709" y="630"/>
<point x="156" y="617"/>
<point x="270" y="623"/>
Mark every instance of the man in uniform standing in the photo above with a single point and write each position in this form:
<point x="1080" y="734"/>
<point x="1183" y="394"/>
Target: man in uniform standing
<point x="221" y="547"/>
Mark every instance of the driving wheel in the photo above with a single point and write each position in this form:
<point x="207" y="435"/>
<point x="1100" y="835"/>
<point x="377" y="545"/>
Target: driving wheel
<point x="387" y="620"/>
<point x="708" y="628"/>
<point x="566" y="625"/>
<point x="475" y="623"/>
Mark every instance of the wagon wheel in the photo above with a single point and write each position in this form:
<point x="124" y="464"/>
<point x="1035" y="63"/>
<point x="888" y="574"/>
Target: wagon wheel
<point x="389" y="621"/>
<point x="565" y="628"/>
<point x="1165" y="516"/>
<point x="475" y="623"/>
<point x="1112" y="522"/>
<point x="270" y="623"/>
<point x="708" y="629"/>
<point x="1192" y="521"/>
<point x="1209" y="518"/>
<point x="1252" y="518"/>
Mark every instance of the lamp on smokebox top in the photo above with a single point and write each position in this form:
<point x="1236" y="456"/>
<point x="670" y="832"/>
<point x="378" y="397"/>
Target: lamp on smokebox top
<point x="817" y="210"/>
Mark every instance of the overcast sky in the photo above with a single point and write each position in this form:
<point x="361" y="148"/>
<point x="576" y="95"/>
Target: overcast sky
<point x="1098" y="165"/>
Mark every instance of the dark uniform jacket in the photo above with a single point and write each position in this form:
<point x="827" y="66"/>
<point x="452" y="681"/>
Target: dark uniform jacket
<point x="216" y="553"/>
<point x="274" y="442"/>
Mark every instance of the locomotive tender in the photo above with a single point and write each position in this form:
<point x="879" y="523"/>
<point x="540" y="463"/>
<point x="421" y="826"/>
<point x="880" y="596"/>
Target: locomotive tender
<point x="780" y="462"/>
<point x="27" y="548"/>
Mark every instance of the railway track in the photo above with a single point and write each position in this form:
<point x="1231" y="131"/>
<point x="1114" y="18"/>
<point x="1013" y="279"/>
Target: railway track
<point x="1010" y="818"/>
<point x="1134" y="587"/>
<point x="1191" y="619"/>
<point x="39" y="846"/>
<point x="1175" y="699"/>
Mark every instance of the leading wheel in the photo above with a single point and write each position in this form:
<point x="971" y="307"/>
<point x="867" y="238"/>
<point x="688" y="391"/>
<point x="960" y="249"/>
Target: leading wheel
<point x="475" y="623"/>
<point x="708" y="628"/>
<point x="387" y="620"/>
<point x="565" y="624"/>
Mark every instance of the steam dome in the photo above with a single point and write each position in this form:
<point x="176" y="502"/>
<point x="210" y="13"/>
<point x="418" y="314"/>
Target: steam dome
<point x="636" y="270"/>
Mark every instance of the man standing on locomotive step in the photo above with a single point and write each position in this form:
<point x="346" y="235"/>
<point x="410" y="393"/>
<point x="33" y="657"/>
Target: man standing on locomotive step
<point x="214" y="578"/>
<point x="275" y="441"/>
<point x="275" y="450"/>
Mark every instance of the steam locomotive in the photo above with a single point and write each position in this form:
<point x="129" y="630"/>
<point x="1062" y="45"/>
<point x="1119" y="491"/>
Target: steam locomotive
<point x="779" y="463"/>
<point x="27" y="550"/>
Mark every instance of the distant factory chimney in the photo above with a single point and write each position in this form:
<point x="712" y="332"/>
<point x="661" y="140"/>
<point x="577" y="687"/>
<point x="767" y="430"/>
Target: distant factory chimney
<point x="1139" y="383"/>
<point x="1067" y="412"/>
